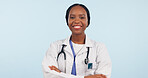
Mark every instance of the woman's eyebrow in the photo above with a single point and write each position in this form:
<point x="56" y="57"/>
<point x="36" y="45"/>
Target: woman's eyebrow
<point x="82" y="15"/>
<point x="72" y="15"/>
<point x="79" y="15"/>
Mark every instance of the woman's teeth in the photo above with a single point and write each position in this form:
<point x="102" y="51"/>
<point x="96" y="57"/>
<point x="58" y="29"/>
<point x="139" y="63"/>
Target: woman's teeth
<point x="77" y="27"/>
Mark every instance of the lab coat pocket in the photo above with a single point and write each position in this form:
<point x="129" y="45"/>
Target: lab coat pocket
<point x="90" y="68"/>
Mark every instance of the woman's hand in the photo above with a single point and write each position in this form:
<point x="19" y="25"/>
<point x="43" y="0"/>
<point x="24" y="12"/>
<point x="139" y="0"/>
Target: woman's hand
<point x="54" y="68"/>
<point x="96" y="76"/>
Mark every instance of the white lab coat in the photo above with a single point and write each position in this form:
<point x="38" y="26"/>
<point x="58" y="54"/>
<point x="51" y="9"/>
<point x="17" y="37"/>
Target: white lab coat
<point x="98" y="56"/>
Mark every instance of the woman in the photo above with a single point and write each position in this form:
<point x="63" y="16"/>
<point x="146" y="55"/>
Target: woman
<point x="77" y="56"/>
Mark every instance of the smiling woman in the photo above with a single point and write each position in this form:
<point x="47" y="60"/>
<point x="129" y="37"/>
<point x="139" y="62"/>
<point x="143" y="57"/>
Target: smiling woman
<point x="77" y="56"/>
<point x="77" y="20"/>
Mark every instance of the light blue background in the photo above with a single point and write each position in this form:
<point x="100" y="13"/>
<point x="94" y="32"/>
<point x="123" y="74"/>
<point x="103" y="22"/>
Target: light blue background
<point x="27" y="27"/>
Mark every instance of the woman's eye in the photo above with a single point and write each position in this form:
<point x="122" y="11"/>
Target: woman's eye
<point x="72" y="17"/>
<point x="82" y="17"/>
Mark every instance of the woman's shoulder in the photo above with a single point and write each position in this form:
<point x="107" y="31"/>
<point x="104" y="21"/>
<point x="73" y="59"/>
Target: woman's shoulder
<point x="57" y="42"/>
<point x="62" y="41"/>
<point x="96" y="43"/>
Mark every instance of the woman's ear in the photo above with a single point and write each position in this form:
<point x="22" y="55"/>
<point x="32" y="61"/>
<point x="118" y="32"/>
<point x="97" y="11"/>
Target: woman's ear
<point x="87" y="23"/>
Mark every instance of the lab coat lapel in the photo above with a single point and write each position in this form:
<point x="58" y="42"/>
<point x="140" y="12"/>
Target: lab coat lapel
<point x="69" y="56"/>
<point x="87" y="44"/>
<point x="67" y="47"/>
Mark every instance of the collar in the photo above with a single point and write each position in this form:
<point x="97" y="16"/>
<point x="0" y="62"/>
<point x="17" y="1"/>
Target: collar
<point x="88" y="42"/>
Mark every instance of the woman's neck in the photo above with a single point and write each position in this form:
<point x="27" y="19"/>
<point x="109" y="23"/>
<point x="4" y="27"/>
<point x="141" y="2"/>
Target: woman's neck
<point x="78" y="39"/>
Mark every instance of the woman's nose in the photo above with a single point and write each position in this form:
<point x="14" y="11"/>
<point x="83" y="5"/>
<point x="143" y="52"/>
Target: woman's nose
<point x="77" y="20"/>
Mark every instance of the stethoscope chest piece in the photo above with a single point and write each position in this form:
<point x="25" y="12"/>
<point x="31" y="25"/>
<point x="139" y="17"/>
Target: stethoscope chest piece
<point x="86" y="61"/>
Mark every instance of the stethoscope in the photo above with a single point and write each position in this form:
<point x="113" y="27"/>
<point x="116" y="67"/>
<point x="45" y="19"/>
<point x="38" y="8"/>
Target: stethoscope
<point x="62" y="51"/>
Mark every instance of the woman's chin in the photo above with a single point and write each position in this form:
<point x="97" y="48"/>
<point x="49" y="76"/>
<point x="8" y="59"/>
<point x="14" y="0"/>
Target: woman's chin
<point x="77" y="33"/>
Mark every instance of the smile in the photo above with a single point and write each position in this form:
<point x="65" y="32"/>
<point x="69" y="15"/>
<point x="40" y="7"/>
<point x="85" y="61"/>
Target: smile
<point x="77" y="27"/>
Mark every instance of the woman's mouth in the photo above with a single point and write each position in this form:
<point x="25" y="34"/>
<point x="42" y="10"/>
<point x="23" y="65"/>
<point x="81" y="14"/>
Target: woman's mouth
<point x="77" y="27"/>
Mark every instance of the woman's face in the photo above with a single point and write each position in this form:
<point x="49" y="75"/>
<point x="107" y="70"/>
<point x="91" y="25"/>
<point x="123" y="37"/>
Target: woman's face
<point x="77" y="20"/>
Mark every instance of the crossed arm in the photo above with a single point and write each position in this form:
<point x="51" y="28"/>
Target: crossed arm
<point x="102" y="58"/>
<point x="91" y="76"/>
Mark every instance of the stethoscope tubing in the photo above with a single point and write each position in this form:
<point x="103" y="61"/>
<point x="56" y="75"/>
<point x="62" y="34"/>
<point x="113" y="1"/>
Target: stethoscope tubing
<point x="62" y="51"/>
<point x="86" y="61"/>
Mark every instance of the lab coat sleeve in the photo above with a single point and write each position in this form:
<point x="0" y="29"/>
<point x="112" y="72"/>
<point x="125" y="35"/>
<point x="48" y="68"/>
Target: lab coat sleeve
<point x="104" y="64"/>
<point x="49" y="60"/>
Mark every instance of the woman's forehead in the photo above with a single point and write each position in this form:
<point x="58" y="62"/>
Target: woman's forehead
<point x="77" y="10"/>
